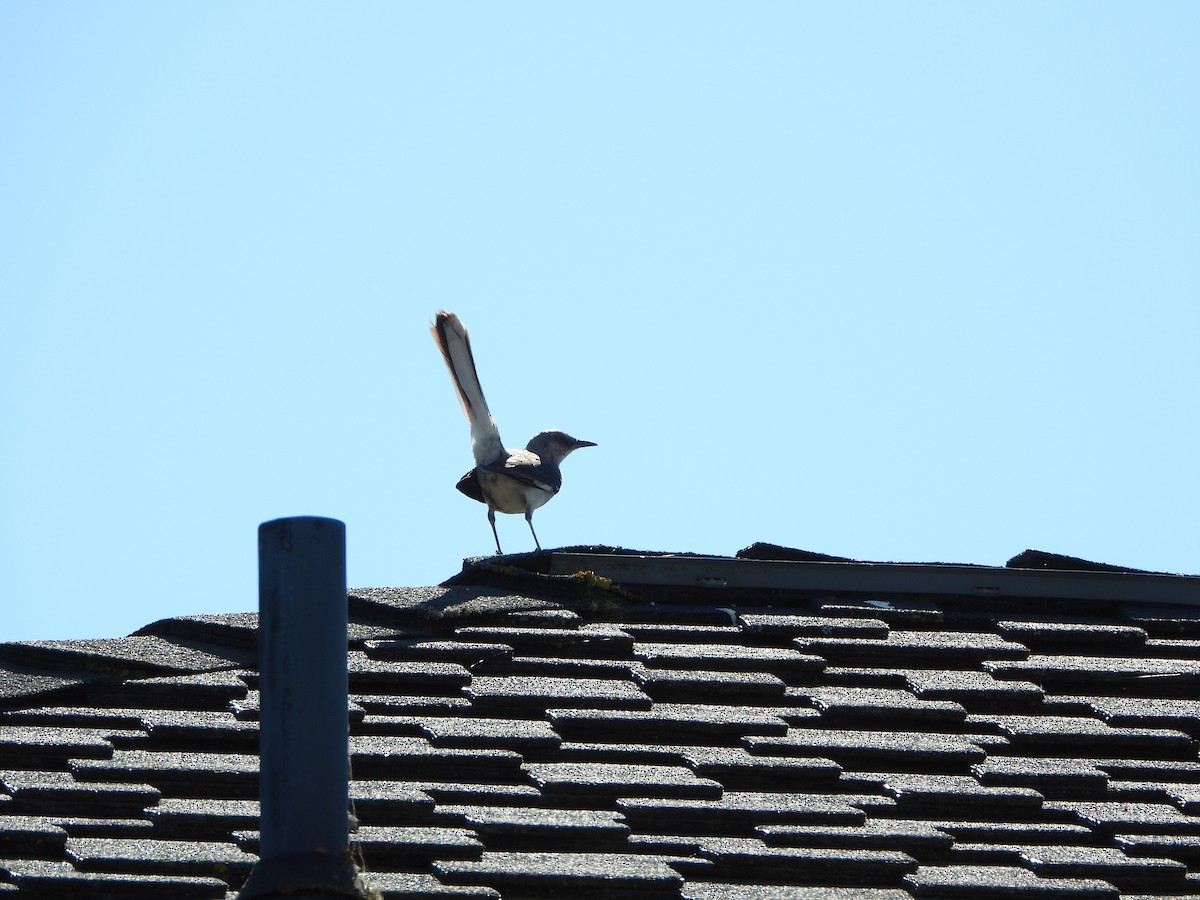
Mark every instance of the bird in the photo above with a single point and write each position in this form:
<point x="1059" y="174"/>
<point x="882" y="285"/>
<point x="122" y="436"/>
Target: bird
<point x="507" y="481"/>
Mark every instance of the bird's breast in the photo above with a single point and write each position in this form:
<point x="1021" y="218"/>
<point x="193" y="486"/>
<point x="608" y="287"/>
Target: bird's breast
<point x="511" y="495"/>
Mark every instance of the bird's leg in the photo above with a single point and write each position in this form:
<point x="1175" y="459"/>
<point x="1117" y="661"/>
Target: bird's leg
<point x="529" y="519"/>
<point x="492" y="522"/>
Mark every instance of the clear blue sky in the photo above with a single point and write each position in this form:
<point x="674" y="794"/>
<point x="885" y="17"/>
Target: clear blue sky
<point x="897" y="281"/>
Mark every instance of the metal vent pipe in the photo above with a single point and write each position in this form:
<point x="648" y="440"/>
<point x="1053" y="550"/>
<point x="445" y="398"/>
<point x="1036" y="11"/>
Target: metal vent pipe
<point x="303" y="729"/>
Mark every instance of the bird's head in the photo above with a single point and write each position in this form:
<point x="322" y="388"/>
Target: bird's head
<point x="554" y="446"/>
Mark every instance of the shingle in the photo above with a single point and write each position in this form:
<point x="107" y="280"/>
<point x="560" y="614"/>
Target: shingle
<point x="915" y="649"/>
<point x="1009" y="833"/>
<point x="992" y="744"/>
<point x="530" y="693"/>
<point x="682" y="634"/>
<point x="1182" y="847"/>
<point x="852" y="782"/>
<point x="101" y="719"/>
<point x="597" y="641"/>
<point x="853" y="707"/>
<point x="385" y="757"/>
<point x="37" y="837"/>
<point x="959" y="795"/>
<point x="968" y="882"/>
<point x="684" y="685"/>
<point x="598" y="875"/>
<point x="1055" y="778"/>
<point x="359" y="632"/>
<point x="708" y="891"/>
<point x="787" y="664"/>
<point x="59" y="880"/>
<point x="390" y="802"/>
<point x="738" y="813"/>
<point x="1102" y="674"/>
<point x="739" y="770"/>
<point x="1164" y="621"/>
<point x="522" y="735"/>
<point x="734" y="767"/>
<point x="896" y="612"/>
<point x="21" y="684"/>
<point x="1132" y="792"/>
<point x="106" y="827"/>
<point x="230" y="631"/>
<point x="1059" y="705"/>
<point x="1094" y="637"/>
<point x="58" y="793"/>
<point x="376" y="676"/>
<point x="204" y="690"/>
<point x="157" y="857"/>
<point x="466" y="794"/>
<point x="465" y="653"/>
<point x="1185" y="797"/>
<point x="199" y="730"/>
<point x="665" y="845"/>
<point x="509" y="828"/>
<point x="1182" y="715"/>
<point x="36" y="746"/>
<point x="693" y="866"/>
<point x="228" y="775"/>
<point x="908" y="836"/>
<point x="1150" y="769"/>
<point x="668" y="723"/>
<point x="1172" y="648"/>
<point x="1107" y="863"/>
<point x="413" y="845"/>
<point x="1189" y="889"/>
<point x="802" y="716"/>
<point x="544" y="617"/>
<point x="633" y="752"/>
<point x="177" y="818"/>
<point x="123" y="657"/>
<point x="738" y="858"/>
<point x="967" y="853"/>
<point x="1127" y="817"/>
<point x="791" y="626"/>
<point x="403" y="705"/>
<point x="1075" y="736"/>
<point x="865" y="677"/>
<point x="568" y="667"/>
<point x="424" y="608"/>
<point x="680" y="610"/>
<point x="872" y="750"/>
<point x="589" y="782"/>
<point x="977" y="691"/>
<point x="421" y="886"/>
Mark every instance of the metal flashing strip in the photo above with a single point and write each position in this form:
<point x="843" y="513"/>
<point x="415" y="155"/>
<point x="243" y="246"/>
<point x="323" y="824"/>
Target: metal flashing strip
<point x="719" y="572"/>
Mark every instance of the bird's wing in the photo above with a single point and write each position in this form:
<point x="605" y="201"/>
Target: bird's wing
<point x="469" y="485"/>
<point x="529" y="469"/>
<point x="521" y="466"/>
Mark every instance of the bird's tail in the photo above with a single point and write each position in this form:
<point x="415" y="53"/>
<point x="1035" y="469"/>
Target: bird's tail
<point x="451" y="336"/>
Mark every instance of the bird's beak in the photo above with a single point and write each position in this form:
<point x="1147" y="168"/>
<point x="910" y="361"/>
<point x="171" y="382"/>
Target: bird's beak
<point x="579" y="443"/>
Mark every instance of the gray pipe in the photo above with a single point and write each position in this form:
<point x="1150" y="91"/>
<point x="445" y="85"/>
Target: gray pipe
<point x="303" y="735"/>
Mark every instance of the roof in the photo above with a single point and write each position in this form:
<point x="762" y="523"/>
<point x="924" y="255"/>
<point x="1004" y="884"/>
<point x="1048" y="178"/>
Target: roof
<point x="704" y="728"/>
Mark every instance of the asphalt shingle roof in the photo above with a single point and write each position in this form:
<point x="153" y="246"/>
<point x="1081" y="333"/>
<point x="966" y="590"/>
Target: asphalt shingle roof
<point x="524" y="735"/>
